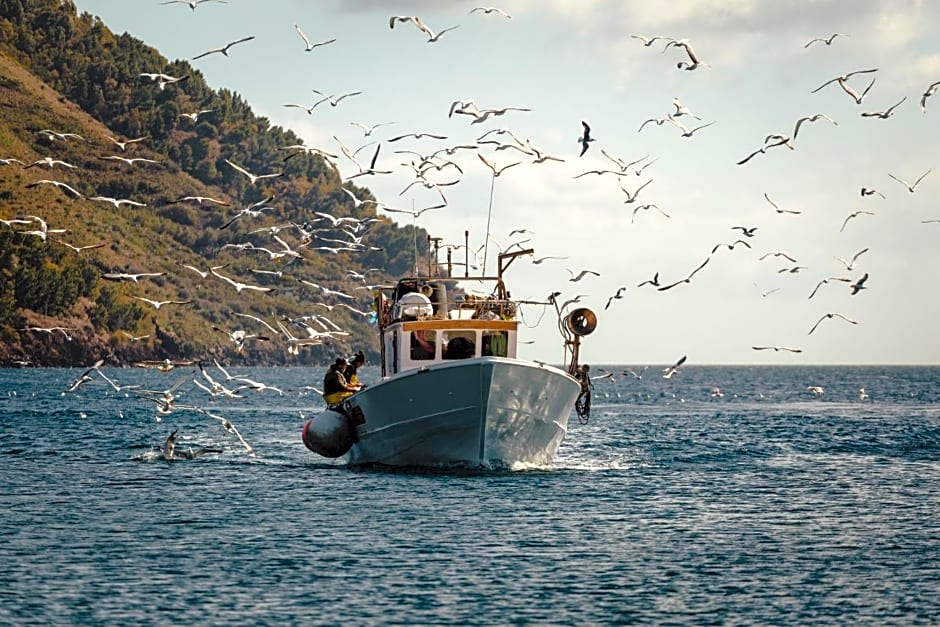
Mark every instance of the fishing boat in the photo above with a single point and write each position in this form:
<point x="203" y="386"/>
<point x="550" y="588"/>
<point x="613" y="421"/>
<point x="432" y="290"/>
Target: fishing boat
<point x="453" y="390"/>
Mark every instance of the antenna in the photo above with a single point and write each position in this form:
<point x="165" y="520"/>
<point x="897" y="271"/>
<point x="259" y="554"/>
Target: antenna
<point x="489" y="215"/>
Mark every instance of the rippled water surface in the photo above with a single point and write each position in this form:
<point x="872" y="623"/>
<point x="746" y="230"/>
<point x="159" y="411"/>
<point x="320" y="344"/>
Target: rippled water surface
<point x="759" y="504"/>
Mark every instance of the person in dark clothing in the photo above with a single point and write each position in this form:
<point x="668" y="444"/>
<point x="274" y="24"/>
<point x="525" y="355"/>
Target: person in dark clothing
<point x="335" y="386"/>
<point x="351" y="372"/>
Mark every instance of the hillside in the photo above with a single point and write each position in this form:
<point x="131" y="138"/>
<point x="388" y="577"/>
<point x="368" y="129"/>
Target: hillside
<point x="69" y="74"/>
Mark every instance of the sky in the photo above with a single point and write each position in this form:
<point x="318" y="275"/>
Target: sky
<point x="574" y="61"/>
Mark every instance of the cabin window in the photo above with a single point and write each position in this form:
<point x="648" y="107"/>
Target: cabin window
<point x="495" y="344"/>
<point x="423" y="344"/>
<point x="459" y="344"/>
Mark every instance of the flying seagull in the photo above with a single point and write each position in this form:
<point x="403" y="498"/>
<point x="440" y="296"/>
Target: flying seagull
<point x="688" y="279"/>
<point x="850" y="265"/>
<point x="910" y="187"/>
<point x="826" y="280"/>
<point x="826" y="40"/>
<point x="859" y="285"/>
<point x="253" y="178"/>
<point x="192" y="5"/>
<point x="887" y="113"/>
<point x="585" y="139"/>
<point x="930" y="91"/>
<point x="616" y="296"/>
<point x="62" y="186"/>
<point x="673" y="369"/>
<point x="855" y="214"/>
<point x="831" y="315"/>
<point x="311" y="46"/>
<point x="159" y="303"/>
<point x="224" y="49"/>
<point x="777" y="207"/>
<point x="124" y="144"/>
<point x="811" y="118"/>
<point x="488" y="10"/>
<point x="778" y="348"/>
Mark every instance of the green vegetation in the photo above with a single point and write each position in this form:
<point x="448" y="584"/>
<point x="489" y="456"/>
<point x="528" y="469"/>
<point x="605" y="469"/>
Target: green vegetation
<point x="69" y="73"/>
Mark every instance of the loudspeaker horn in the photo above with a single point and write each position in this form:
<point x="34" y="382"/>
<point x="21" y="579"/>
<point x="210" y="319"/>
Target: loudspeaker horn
<point x="581" y="321"/>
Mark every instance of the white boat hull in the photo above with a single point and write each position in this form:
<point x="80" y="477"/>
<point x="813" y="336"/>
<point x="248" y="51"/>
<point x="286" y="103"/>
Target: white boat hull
<point x="484" y="412"/>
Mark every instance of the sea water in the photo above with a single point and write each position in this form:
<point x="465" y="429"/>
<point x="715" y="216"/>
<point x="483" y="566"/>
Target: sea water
<point x="759" y="502"/>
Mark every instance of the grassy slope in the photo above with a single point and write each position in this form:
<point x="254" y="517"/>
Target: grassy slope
<point x="143" y="240"/>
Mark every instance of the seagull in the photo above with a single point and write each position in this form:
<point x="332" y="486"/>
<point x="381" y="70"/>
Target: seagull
<point x="239" y="337"/>
<point x="163" y="80"/>
<point x="543" y="259"/>
<point x="367" y="130"/>
<point x="777" y="207"/>
<point x="224" y="49"/>
<point x="11" y="161"/>
<point x="845" y="77"/>
<point x="778" y="348"/>
<point x="48" y="162"/>
<point x="887" y="113"/>
<point x="673" y="369"/>
<point x="868" y="192"/>
<point x="67" y="188"/>
<point x="931" y="90"/>
<point x="309" y="109"/>
<point x="53" y="135"/>
<point x="83" y="377"/>
<point x="777" y="254"/>
<point x="826" y="280"/>
<point x="681" y="109"/>
<point x="194" y="116"/>
<point x="646" y="207"/>
<point x="131" y="336"/>
<point x="327" y="291"/>
<point x="199" y="200"/>
<point x="632" y="197"/>
<point x="748" y="231"/>
<point x="618" y="295"/>
<point x="811" y="118"/>
<point x="202" y="273"/>
<point x="855" y="214"/>
<point x="818" y="390"/>
<point x="371" y="169"/>
<point x="581" y="275"/>
<point x="648" y="41"/>
<point x="688" y="279"/>
<point x="686" y="132"/>
<point x="792" y="270"/>
<point x="192" y="5"/>
<point x="850" y="265"/>
<point x="859" y="285"/>
<point x="356" y="202"/>
<point x="239" y="286"/>
<point x="50" y="330"/>
<point x="111" y="382"/>
<point x="253" y="178"/>
<point x="159" y="303"/>
<point x="492" y="166"/>
<point x="684" y="44"/>
<point x="910" y="187"/>
<point x="654" y="281"/>
<point x="124" y="144"/>
<point x="831" y="315"/>
<point x="333" y="99"/>
<point x="253" y="210"/>
<point x="117" y="202"/>
<point x="730" y="246"/>
<point x="129" y="160"/>
<point x="862" y="394"/>
<point x="124" y="276"/>
<point x="417" y="136"/>
<point x="79" y="249"/>
<point x="585" y="139"/>
<point x="826" y="40"/>
<point x="310" y="46"/>
<point x="488" y="10"/>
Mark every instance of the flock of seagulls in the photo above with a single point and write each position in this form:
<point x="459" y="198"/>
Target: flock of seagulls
<point x="338" y="234"/>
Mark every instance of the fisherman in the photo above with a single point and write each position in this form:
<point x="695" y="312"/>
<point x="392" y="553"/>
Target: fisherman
<point x="583" y="402"/>
<point x="335" y="386"/>
<point x="352" y="377"/>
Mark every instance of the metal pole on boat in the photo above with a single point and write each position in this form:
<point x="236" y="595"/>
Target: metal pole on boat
<point x="489" y="215"/>
<point x="466" y="254"/>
